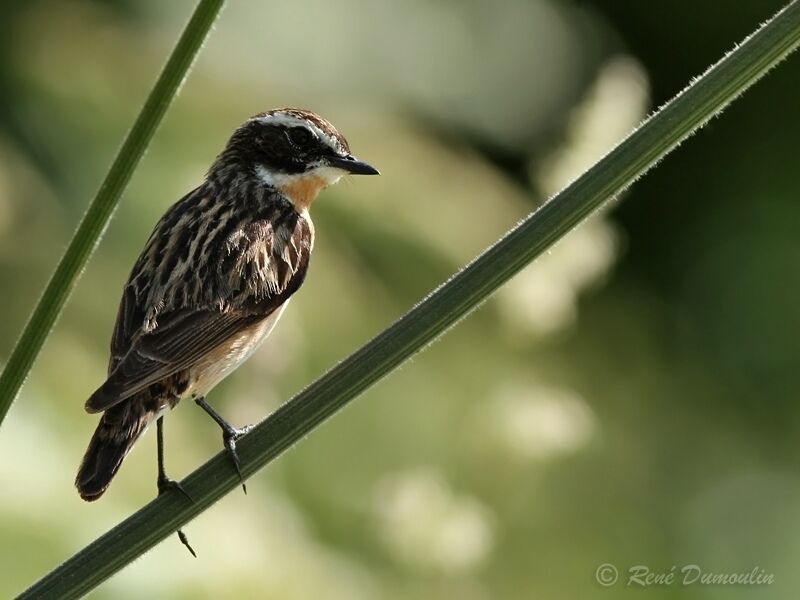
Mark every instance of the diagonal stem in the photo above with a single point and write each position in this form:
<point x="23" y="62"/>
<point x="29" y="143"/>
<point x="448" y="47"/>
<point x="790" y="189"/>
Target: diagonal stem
<point x="656" y="137"/>
<point x="97" y="216"/>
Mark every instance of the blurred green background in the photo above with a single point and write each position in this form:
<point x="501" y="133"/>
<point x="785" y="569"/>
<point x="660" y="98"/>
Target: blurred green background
<point x="631" y="398"/>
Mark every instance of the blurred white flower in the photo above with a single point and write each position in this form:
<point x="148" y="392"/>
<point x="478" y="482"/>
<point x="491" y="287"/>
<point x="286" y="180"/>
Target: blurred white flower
<point x="614" y="105"/>
<point x="536" y="422"/>
<point x="543" y="297"/>
<point x="425" y="524"/>
<point x="266" y="552"/>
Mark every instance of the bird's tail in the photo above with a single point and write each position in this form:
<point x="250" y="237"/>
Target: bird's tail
<point x="119" y="428"/>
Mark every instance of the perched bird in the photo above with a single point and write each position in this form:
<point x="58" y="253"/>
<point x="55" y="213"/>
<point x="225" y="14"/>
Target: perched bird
<point x="212" y="281"/>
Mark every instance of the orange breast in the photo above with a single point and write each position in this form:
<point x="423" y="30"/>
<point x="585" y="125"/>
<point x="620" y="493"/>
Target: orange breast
<point x="302" y="191"/>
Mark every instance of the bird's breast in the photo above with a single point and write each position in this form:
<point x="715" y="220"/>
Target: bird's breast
<point x="225" y="358"/>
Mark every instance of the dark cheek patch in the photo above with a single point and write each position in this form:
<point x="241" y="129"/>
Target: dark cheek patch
<point x="269" y="146"/>
<point x="277" y="155"/>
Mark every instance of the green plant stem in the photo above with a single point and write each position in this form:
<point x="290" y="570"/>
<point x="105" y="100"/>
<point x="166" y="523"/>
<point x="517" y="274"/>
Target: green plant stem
<point x="687" y="112"/>
<point x="97" y="216"/>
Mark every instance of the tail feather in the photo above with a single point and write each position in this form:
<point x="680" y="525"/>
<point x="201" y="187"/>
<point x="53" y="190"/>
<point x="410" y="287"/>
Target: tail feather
<point x="117" y="432"/>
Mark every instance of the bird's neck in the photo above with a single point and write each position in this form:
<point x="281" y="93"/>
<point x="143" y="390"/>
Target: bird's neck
<point x="301" y="189"/>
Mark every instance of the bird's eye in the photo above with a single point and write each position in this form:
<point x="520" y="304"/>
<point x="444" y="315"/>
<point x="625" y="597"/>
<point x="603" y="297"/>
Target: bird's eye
<point x="300" y="136"/>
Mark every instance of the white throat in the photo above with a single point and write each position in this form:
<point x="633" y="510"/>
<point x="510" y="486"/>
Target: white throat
<point x="329" y="175"/>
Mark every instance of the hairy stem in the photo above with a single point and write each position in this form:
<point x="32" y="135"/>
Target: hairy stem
<point x="657" y="136"/>
<point x="97" y="216"/>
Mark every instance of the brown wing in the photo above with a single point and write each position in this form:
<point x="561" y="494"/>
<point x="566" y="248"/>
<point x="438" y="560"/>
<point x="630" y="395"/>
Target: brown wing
<point x="182" y="339"/>
<point x="136" y="296"/>
<point x="259" y="261"/>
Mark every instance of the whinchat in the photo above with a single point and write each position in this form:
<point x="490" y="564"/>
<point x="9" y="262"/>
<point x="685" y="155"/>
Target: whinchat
<point x="212" y="281"/>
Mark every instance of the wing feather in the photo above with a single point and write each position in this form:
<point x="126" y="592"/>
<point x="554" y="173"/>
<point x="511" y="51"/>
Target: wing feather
<point x="181" y="340"/>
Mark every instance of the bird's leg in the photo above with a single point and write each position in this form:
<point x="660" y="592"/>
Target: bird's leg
<point x="165" y="483"/>
<point x="230" y="435"/>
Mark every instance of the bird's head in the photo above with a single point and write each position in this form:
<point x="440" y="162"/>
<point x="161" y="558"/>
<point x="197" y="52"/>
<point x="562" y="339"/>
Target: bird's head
<point x="294" y="151"/>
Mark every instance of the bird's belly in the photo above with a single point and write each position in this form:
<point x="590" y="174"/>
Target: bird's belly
<point x="225" y="358"/>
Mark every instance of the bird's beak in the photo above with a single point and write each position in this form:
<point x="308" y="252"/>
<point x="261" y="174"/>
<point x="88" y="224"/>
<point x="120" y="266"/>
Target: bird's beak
<point x="352" y="165"/>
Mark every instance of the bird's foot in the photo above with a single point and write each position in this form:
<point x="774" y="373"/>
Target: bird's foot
<point x="230" y="435"/>
<point x="185" y="541"/>
<point x="165" y="484"/>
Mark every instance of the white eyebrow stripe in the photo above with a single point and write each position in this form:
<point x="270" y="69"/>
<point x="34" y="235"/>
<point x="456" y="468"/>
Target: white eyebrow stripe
<point x="289" y="120"/>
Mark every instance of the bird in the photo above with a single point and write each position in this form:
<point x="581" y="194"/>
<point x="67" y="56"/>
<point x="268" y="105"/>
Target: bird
<point x="212" y="281"/>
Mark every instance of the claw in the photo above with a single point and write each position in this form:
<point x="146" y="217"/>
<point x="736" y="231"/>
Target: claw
<point x="185" y="541"/>
<point x="229" y="438"/>
<point x="230" y="435"/>
<point x="165" y="484"/>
